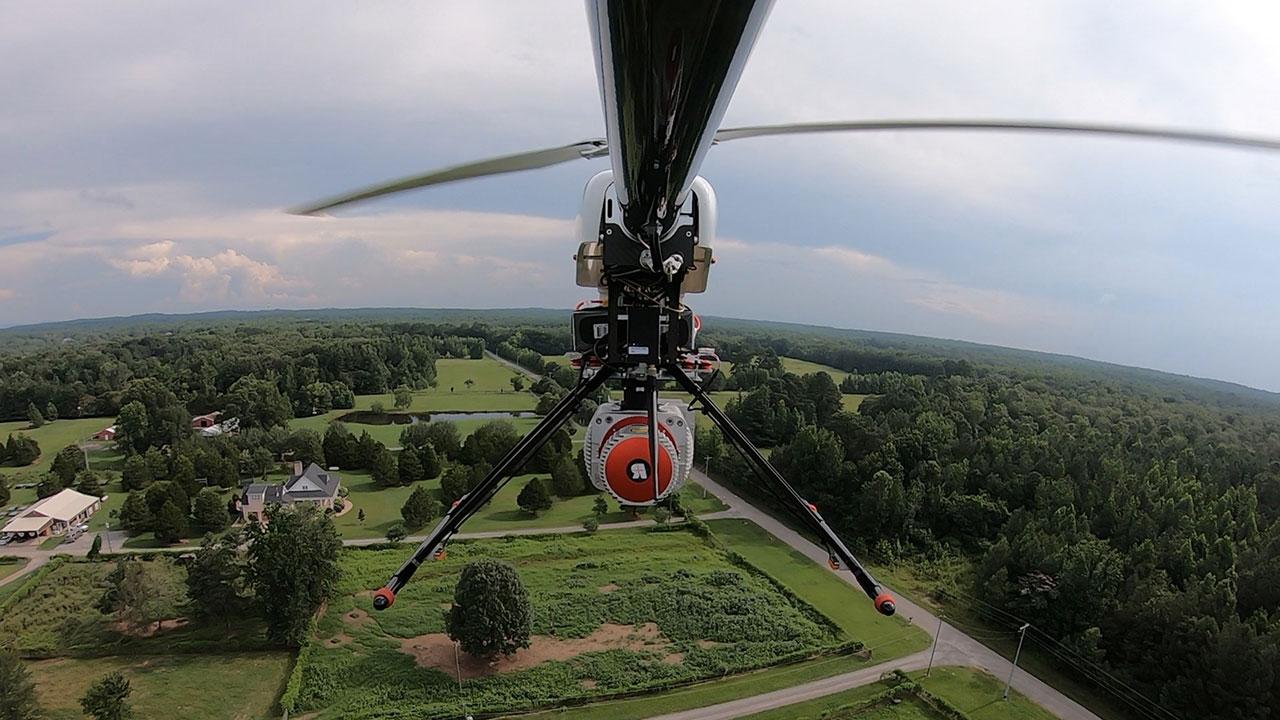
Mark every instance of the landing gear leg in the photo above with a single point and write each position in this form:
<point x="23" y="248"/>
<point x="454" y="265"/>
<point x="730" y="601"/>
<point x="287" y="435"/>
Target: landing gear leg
<point x="839" y="553"/>
<point x="473" y="501"/>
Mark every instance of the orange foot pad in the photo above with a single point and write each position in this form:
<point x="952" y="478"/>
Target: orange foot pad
<point x="383" y="598"/>
<point x="885" y="604"/>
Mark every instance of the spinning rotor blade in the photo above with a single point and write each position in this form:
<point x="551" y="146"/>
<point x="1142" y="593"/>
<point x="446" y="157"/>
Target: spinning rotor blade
<point x="1152" y="133"/>
<point x="493" y="166"/>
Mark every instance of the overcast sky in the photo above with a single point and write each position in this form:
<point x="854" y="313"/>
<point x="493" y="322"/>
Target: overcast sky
<point x="147" y="149"/>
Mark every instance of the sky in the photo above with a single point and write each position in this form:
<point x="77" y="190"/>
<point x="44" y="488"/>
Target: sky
<point x="149" y="149"/>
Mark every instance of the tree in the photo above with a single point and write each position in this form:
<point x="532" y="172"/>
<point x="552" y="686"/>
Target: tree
<point x="591" y="524"/>
<point x="360" y="515"/>
<point x="33" y="416"/>
<point x="141" y="592"/>
<point x="490" y="442"/>
<point x="408" y="466"/>
<point x="135" y="516"/>
<point x="383" y="469"/>
<point x="469" y="383"/>
<point x="419" y="509"/>
<point x="5" y="493"/>
<point x="215" y="579"/>
<point x="169" y="523"/>
<point x="133" y="429"/>
<point x="517" y="382"/>
<point x="430" y="462"/>
<point x="209" y="512"/>
<point x="293" y="568"/>
<point x="306" y="446"/>
<point x="257" y="403"/>
<point x="136" y="474"/>
<point x="534" y="497"/>
<point x="377" y="407"/>
<point x="661" y="515"/>
<point x="490" y="612"/>
<point x="340" y="446"/>
<point x="600" y="507"/>
<point x="96" y="548"/>
<point x="343" y="398"/>
<point x="67" y="463"/>
<point x="183" y="472"/>
<point x="50" y="484"/>
<point x="89" y="482"/>
<point x="459" y="480"/>
<point x="441" y="435"/>
<point x="108" y="699"/>
<point x="396" y="533"/>
<point x="50" y="411"/>
<point x="22" y="450"/>
<point x="403" y="397"/>
<point x="17" y="690"/>
<point x="566" y="478"/>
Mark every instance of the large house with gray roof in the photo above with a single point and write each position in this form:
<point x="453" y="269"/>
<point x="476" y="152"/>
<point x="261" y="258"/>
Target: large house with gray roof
<point x="312" y="484"/>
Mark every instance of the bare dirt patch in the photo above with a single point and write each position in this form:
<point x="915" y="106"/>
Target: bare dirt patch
<point x="607" y="588"/>
<point x="705" y="644"/>
<point x="150" y="629"/>
<point x="357" y="618"/>
<point x="588" y="684"/>
<point x="436" y="650"/>
<point x="338" y="640"/>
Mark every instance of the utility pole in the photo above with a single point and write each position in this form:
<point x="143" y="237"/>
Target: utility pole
<point x="108" y="534"/>
<point x="934" y="651"/>
<point x="1022" y="636"/>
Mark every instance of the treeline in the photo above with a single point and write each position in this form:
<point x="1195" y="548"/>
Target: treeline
<point x="1139" y="531"/>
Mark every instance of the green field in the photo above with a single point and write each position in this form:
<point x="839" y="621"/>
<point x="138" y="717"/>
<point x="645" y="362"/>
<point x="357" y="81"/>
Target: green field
<point x="491" y="389"/>
<point x="382" y="507"/>
<point x="592" y="597"/>
<point x="973" y="692"/>
<point x="193" y="687"/>
<point x="57" y="616"/>
<point x="52" y="437"/>
<point x="10" y="565"/>
<point x="889" y="637"/>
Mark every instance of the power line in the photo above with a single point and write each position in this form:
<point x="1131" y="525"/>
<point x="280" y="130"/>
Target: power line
<point x="1102" y="670"/>
<point x="1103" y="682"/>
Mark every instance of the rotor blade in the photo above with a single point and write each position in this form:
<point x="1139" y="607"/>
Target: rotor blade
<point x="493" y="166"/>
<point x="1153" y="133"/>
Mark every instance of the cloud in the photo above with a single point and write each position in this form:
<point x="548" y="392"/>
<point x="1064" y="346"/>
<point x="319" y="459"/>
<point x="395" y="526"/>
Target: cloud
<point x="7" y="293"/>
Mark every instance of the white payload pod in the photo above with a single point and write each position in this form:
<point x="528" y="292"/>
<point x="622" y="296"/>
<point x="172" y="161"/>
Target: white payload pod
<point x="617" y="452"/>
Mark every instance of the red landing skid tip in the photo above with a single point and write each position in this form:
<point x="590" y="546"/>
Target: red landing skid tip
<point x="383" y="598"/>
<point x="833" y="563"/>
<point x="441" y="554"/>
<point x="885" y="604"/>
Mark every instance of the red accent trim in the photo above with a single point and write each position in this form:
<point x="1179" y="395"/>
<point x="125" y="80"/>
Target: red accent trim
<point x="620" y="459"/>
<point x="383" y="592"/>
<point x="812" y="507"/>
<point x="634" y="420"/>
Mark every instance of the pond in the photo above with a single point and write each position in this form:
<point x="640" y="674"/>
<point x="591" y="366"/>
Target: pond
<point x="368" y="417"/>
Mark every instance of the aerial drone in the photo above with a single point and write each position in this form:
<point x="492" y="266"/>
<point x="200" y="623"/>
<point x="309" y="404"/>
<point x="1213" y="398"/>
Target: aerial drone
<point x="667" y="71"/>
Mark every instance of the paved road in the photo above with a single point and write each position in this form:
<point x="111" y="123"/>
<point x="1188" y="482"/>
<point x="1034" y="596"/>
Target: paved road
<point x="954" y="647"/>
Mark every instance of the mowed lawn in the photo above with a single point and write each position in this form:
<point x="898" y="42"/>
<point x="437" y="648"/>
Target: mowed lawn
<point x="889" y="637"/>
<point x="242" y="686"/>
<point x="10" y="565"/>
<point x="975" y="693"/>
<point x="490" y="390"/>
<point x="52" y="437"/>
<point x="382" y="508"/>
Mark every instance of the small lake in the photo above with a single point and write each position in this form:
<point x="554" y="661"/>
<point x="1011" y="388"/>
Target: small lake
<point x="368" y="417"/>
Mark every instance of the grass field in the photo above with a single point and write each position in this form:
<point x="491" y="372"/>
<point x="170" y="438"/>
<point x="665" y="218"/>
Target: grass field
<point x="52" y="437"/>
<point x="57" y="616"/>
<point x="975" y="693"/>
<point x="382" y="507"/>
<point x="193" y="687"/>
<point x="888" y="636"/>
<point x="491" y="389"/>
<point x="10" y="565"/>
<point x="709" y="617"/>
